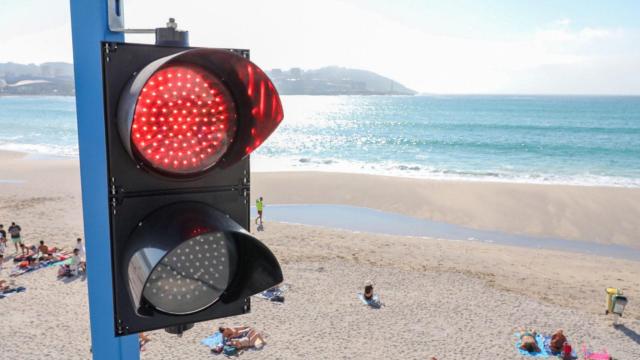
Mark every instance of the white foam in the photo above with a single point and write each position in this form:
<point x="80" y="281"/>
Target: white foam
<point x="269" y="164"/>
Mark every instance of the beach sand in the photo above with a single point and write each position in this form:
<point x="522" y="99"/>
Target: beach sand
<point x="455" y="299"/>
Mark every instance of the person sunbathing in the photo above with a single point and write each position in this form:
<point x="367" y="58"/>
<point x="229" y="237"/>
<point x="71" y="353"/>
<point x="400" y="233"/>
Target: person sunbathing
<point x="234" y="332"/>
<point x="528" y="341"/>
<point x="250" y="338"/>
<point x="368" y="291"/>
<point x="44" y="252"/>
<point x="557" y="342"/>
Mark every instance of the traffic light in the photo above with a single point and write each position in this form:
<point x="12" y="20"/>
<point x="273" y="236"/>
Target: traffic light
<point x="180" y="125"/>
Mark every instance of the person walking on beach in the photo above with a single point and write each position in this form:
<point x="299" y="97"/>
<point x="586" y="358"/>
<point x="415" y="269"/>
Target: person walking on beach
<point x="3" y="243"/>
<point x="259" y="207"/>
<point x="14" y="230"/>
<point x="3" y="233"/>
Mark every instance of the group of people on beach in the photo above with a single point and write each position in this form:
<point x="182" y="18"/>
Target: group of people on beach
<point x="532" y="342"/>
<point x="31" y="255"/>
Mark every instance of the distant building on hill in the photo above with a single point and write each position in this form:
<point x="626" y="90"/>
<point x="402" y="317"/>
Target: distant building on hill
<point x="56" y="78"/>
<point x="52" y="78"/>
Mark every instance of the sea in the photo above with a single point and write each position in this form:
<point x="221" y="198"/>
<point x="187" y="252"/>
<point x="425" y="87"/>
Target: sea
<point x="579" y="140"/>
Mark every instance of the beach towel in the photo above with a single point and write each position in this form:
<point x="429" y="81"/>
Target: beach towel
<point x="275" y="294"/>
<point x="539" y="340"/>
<point x="591" y="355"/>
<point x="216" y="341"/>
<point x="13" y="291"/>
<point x="213" y="341"/>
<point x="19" y="270"/>
<point x="374" y="302"/>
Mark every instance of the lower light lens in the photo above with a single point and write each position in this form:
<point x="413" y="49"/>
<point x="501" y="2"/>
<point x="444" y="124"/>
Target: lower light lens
<point x="192" y="276"/>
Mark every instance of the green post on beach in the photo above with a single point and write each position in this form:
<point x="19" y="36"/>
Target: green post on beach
<point x="89" y="27"/>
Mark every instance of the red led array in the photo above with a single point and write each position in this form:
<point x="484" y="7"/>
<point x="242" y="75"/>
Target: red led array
<point x="184" y="120"/>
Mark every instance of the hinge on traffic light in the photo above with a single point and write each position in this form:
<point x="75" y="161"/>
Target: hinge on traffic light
<point x="116" y="195"/>
<point x="108" y="49"/>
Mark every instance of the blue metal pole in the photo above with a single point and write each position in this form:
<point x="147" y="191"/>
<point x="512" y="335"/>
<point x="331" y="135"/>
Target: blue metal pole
<point x="89" y="26"/>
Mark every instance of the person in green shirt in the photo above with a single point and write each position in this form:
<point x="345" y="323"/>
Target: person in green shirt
<point x="259" y="207"/>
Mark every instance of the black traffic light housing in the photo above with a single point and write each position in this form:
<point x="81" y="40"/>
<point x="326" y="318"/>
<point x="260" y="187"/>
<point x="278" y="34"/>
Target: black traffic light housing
<point x="153" y="214"/>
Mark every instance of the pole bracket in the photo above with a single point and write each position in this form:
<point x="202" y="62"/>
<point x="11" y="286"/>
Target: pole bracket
<point x="115" y="15"/>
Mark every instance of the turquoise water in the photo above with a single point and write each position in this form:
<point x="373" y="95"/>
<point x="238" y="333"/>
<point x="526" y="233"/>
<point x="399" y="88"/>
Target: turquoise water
<point x="541" y="139"/>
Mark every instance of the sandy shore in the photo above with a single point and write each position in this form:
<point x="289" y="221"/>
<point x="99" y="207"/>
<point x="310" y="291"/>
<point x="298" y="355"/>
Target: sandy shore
<point x="600" y="214"/>
<point x="456" y="299"/>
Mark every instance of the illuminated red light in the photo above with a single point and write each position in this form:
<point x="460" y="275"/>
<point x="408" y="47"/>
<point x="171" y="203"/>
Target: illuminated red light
<point x="203" y="138"/>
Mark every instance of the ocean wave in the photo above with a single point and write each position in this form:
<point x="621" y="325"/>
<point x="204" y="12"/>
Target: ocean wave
<point x="272" y="164"/>
<point x="41" y="149"/>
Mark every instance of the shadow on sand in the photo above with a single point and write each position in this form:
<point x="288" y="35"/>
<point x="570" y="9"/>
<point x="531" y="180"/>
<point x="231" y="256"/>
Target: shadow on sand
<point x="631" y="334"/>
<point x="82" y="277"/>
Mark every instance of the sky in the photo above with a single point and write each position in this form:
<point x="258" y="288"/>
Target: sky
<point x="443" y="47"/>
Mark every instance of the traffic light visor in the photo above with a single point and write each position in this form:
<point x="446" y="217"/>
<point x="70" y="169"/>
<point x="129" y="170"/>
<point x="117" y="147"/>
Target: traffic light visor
<point x="186" y="256"/>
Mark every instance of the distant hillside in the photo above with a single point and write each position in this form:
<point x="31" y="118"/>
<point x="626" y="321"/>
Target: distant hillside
<point x="56" y="78"/>
<point x="52" y="78"/>
<point x="334" y="80"/>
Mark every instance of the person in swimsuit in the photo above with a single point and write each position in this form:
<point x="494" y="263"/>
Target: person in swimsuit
<point x="3" y="244"/>
<point x="368" y="291"/>
<point x="242" y="337"/>
<point x="14" y="230"/>
<point x="528" y="341"/>
<point x="44" y="252"/>
<point x="557" y="342"/>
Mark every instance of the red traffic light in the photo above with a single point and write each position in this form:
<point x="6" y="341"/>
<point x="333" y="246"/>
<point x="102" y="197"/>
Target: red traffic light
<point x="179" y="212"/>
<point x="184" y="120"/>
<point x="189" y="112"/>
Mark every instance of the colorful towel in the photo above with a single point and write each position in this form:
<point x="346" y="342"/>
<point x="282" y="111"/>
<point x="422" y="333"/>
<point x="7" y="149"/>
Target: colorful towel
<point x="10" y="292"/>
<point x="213" y="341"/>
<point x="540" y="341"/>
<point x="592" y="355"/>
<point x="17" y="271"/>
<point x="275" y="294"/>
<point x="374" y="302"/>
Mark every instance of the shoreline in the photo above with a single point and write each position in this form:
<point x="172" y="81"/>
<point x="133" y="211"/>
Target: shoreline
<point x="605" y="215"/>
<point x="435" y="178"/>
<point x="377" y="222"/>
<point x="599" y="214"/>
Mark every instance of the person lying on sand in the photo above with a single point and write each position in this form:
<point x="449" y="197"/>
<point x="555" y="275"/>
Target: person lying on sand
<point x="28" y="254"/>
<point x="234" y="332"/>
<point x="242" y="337"/>
<point x="557" y="342"/>
<point x="44" y="252"/>
<point x="528" y="340"/>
